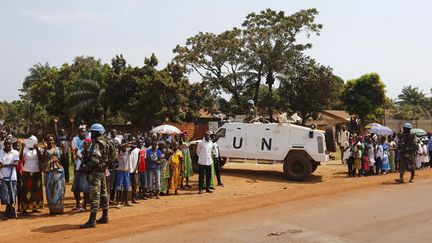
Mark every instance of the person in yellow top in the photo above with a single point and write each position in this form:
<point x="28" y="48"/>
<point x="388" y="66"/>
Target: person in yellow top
<point x="176" y="161"/>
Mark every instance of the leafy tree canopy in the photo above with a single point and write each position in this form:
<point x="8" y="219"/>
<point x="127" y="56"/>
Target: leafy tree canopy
<point x="364" y="96"/>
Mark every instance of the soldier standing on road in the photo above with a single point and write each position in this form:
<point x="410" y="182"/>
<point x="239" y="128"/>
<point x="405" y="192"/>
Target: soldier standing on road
<point x="407" y="148"/>
<point x="95" y="165"/>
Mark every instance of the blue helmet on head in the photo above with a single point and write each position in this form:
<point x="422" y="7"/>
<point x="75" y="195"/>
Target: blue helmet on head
<point x="97" y="128"/>
<point x="407" y="125"/>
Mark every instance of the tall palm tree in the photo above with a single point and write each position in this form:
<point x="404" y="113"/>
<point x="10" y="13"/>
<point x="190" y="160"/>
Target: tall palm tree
<point x="89" y="95"/>
<point x="412" y="96"/>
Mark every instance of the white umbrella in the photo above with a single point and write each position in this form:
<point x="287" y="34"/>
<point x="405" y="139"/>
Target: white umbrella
<point x="381" y="130"/>
<point x="166" y="129"/>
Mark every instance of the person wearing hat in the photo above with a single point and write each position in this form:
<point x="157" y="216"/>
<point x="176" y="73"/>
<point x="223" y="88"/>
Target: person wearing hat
<point x="407" y="148"/>
<point x="95" y="164"/>
<point x="31" y="195"/>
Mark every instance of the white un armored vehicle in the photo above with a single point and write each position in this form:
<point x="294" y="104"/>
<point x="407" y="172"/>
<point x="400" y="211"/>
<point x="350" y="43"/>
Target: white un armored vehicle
<point x="300" y="149"/>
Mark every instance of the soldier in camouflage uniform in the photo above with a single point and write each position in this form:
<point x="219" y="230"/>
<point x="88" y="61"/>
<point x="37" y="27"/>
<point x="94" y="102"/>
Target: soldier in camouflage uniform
<point x="95" y="166"/>
<point x="407" y="147"/>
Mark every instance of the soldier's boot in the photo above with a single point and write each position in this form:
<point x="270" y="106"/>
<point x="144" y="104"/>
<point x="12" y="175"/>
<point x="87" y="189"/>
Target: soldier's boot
<point x="157" y="194"/>
<point x="91" y="223"/>
<point x="104" y="218"/>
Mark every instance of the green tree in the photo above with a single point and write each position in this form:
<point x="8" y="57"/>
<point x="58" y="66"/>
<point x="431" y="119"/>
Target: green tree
<point x="409" y="112"/>
<point x="120" y="84"/>
<point x="335" y="102"/>
<point x="364" y="97"/>
<point x="89" y="100"/>
<point x="412" y="96"/>
<point x="271" y="42"/>
<point x="217" y="59"/>
<point x="413" y="100"/>
<point x="40" y="85"/>
<point x="200" y="97"/>
<point x="160" y="95"/>
<point x="25" y="117"/>
<point x="308" y="88"/>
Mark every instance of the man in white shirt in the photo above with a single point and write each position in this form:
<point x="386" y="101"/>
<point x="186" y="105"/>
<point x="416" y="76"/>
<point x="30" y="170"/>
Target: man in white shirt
<point x="123" y="175"/>
<point x="343" y="137"/>
<point x="133" y="169"/>
<point x="8" y="178"/>
<point x="205" y="160"/>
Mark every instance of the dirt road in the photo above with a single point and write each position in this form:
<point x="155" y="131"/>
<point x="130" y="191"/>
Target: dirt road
<point x="382" y="214"/>
<point x="256" y="204"/>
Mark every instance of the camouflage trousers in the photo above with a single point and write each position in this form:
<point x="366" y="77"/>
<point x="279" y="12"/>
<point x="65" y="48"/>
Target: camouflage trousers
<point x="98" y="191"/>
<point x="406" y="164"/>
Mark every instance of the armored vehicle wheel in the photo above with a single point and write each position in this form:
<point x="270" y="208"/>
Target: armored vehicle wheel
<point x="297" y="167"/>
<point x="314" y="167"/>
<point x="223" y="162"/>
<point x="194" y="157"/>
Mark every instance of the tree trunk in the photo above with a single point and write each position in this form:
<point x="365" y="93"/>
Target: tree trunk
<point x="270" y="81"/>
<point x="257" y="85"/>
<point x="105" y="114"/>
<point x="237" y="101"/>
<point x="271" y="102"/>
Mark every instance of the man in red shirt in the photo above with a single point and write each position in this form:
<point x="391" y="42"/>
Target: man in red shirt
<point x="142" y="170"/>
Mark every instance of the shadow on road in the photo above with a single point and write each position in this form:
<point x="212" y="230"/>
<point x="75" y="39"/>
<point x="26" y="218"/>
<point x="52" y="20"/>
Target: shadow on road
<point x="67" y="211"/>
<point x="55" y="228"/>
<point x="254" y="176"/>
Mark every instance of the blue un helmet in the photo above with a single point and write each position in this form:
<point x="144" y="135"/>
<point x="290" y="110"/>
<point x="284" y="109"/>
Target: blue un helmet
<point x="97" y="128"/>
<point x="407" y="125"/>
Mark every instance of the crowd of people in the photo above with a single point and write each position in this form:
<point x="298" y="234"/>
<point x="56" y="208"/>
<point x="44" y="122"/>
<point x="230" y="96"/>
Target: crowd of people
<point x="109" y="169"/>
<point x="373" y="154"/>
<point x="119" y="170"/>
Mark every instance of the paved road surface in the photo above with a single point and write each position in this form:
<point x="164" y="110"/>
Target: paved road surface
<point x="387" y="213"/>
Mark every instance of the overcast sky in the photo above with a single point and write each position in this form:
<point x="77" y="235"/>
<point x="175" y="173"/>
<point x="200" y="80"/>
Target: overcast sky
<point x="389" y="37"/>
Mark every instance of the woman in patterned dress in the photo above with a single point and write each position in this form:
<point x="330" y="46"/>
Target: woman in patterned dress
<point x="54" y="176"/>
<point x="357" y="159"/>
<point x="176" y="161"/>
<point x="164" y="168"/>
<point x="31" y="195"/>
<point x="187" y="163"/>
